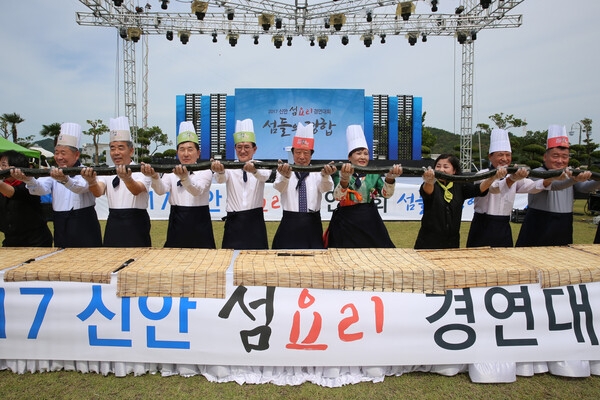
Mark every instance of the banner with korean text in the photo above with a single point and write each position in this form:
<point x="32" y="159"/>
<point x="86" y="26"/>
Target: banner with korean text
<point x="299" y="327"/>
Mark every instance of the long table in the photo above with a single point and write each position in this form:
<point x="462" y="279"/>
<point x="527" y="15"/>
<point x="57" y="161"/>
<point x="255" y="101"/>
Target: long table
<point x="330" y="317"/>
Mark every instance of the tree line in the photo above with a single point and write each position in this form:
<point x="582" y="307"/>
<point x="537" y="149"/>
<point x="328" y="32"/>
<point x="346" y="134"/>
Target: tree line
<point x="527" y="149"/>
<point x="148" y="139"/>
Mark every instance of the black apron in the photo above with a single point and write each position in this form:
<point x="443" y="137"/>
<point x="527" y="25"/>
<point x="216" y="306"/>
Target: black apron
<point x="544" y="228"/>
<point x="77" y="228"/>
<point x="359" y="225"/>
<point x="490" y="230"/>
<point x="190" y="227"/>
<point x="299" y="230"/>
<point x="245" y="230"/>
<point x="127" y="227"/>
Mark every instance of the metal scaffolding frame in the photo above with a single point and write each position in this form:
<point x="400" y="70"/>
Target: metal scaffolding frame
<point x="315" y="22"/>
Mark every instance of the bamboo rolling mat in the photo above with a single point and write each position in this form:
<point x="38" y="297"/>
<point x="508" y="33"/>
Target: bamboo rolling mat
<point x="286" y="268"/>
<point x="388" y="270"/>
<point x="480" y="267"/>
<point x="198" y="273"/>
<point x="560" y="266"/>
<point x="14" y="256"/>
<point x="75" y="265"/>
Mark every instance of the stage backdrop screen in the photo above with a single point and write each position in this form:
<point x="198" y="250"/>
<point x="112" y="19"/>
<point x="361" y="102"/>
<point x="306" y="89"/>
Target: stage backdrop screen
<point x="277" y="112"/>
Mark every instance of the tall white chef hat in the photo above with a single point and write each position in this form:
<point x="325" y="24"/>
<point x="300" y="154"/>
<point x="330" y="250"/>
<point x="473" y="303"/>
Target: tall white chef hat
<point x="355" y="138"/>
<point x="119" y="129"/>
<point x="70" y="135"/>
<point x="499" y="141"/>
<point x="557" y="137"/>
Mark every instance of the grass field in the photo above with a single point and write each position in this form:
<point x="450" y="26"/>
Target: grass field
<point x="74" y="385"/>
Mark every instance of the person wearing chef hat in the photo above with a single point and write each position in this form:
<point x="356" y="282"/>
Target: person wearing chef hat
<point x="301" y="193"/>
<point x="245" y="222"/>
<point x="491" y="221"/>
<point x="356" y="221"/>
<point x="74" y="213"/>
<point x="190" y="224"/>
<point x="127" y="192"/>
<point x="549" y="217"/>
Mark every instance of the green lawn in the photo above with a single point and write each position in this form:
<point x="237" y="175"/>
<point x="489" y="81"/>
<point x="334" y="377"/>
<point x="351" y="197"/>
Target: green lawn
<point x="74" y="385"/>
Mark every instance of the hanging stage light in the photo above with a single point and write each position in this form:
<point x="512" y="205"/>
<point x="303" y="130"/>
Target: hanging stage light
<point x="164" y="4"/>
<point x="405" y="9"/>
<point x="199" y="8"/>
<point x="345" y="40"/>
<point x="382" y="36"/>
<point x="461" y="37"/>
<point x="323" y="41"/>
<point x="289" y="41"/>
<point x="255" y="39"/>
<point x="434" y="4"/>
<point x="169" y="35"/>
<point x="123" y="32"/>
<point x="367" y="40"/>
<point x="369" y="16"/>
<point x="485" y="3"/>
<point x="214" y="37"/>
<point x="233" y="39"/>
<point x="118" y="3"/>
<point x="230" y="14"/>
<point x="184" y="36"/>
<point x="337" y="20"/>
<point x="277" y="41"/>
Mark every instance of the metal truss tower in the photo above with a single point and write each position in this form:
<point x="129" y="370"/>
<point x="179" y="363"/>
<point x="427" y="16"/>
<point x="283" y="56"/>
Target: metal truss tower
<point x="316" y="22"/>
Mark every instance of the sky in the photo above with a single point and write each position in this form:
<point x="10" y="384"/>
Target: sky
<point x="545" y="71"/>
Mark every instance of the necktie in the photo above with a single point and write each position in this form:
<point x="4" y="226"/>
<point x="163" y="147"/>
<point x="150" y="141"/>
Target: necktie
<point x="116" y="181"/>
<point x="301" y="187"/>
<point x="447" y="192"/>
<point x="245" y="176"/>
<point x="357" y="181"/>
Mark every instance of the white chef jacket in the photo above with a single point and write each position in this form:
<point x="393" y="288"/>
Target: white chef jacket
<point x="121" y="198"/>
<point x="242" y="195"/>
<point x="73" y="195"/>
<point x="194" y="191"/>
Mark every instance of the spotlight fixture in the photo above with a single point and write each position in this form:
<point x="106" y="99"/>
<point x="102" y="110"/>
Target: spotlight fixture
<point x="184" y="36"/>
<point x="459" y="10"/>
<point x="230" y="14"/>
<point x="134" y="33"/>
<point x="312" y="41"/>
<point x="367" y="39"/>
<point x="118" y="3"/>
<point x="434" y="5"/>
<point x="139" y="9"/>
<point x="323" y="41"/>
<point x="199" y="8"/>
<point x="214" y="37"/>
<point x="169" y="35"/>
<point x="327" y="23"/>
<point x="266" y="21"/>
<point x="461" y="37"/>
<point x="382" y="36"/>
<point x="289" y="40"/>
<point x="164" y="4"/>
<point x="405" y="9"/>
<point x="337" y="20"/>
<point x="345" y="40"/>
<point x="123" y="33"/>
<point x="424" y="38"/>
<point x="255" y="39"/>
<point x="233" y="39"/>
<point x="278" y="23"/>
<point x="277" y="41"/>
<point x="485" y="3"/>
<point x="473" y="35"/>
<point x="369" y="16"/>
<point x="412" y="40"/>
